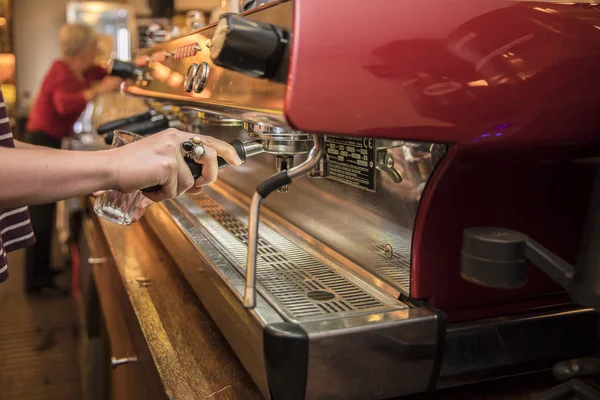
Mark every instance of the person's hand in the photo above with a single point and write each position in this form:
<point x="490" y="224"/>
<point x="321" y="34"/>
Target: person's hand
<point x="108" y="84"/>
<point x="139" y="213"/>
<point x="158" y="160"/>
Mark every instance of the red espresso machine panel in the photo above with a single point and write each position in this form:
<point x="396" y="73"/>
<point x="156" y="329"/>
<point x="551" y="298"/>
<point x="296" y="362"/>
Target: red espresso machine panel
<point x="510" y="86"/>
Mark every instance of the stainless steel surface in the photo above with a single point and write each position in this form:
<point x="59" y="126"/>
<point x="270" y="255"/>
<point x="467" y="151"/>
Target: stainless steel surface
<point x="353" y="222"/>
<point x="294" y="173"/>
<point x="287" y="273"/>
<point x="227" y="93"/>
<point x="249" y="299"/>
<point x="279" y="141"/>
<point x="253" y="148"/>
<point x="217" y="120"/>
<point x="116" y="362"/>
<point x="375" y="356"/>
<point x="390" y="338"/>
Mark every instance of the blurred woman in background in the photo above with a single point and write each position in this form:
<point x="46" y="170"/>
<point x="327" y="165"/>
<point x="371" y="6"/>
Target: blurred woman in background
<point x="72" y="81"/>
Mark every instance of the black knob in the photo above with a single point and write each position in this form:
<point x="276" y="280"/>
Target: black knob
<point x="494" y="257"/>
<point x="122" y="69"/>
<point x="250" y="47"/>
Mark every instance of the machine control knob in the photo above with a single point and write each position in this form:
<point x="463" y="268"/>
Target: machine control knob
<point x="201" y="77"/>
<point x="247" y="46"/>
<point x="122" y="69"/>
<point x="188" y="82"/>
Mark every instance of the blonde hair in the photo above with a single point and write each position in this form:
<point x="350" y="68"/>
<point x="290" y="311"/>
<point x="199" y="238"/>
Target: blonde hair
<point x="75" y="38"/>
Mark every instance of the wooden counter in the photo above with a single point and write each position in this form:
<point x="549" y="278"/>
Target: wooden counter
<point x="180" y="352"/>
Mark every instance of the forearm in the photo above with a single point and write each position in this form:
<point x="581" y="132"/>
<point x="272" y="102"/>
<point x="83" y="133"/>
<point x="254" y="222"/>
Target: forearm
<point x="38" y="176"/>
<point x="25" y="146"/>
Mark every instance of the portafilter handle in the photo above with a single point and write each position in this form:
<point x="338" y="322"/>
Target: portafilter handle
<point x="122" y="69"/>
<point x="155" y="124"/>
<point x="119" y="123"/>
<point x="243" y="150"/>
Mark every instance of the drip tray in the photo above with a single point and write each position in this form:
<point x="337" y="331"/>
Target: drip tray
<point x="299" y="285"/>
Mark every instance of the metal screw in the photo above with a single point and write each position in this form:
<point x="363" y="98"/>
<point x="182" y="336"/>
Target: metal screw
<point x="389" y="161"/>
<point x="388" y="251"/>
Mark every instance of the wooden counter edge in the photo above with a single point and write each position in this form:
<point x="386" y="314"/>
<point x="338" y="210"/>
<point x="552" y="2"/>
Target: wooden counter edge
<point x="193" y="359"/>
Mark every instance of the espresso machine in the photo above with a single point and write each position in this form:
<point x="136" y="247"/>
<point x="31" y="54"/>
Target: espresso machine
<point x="345" y="257"/>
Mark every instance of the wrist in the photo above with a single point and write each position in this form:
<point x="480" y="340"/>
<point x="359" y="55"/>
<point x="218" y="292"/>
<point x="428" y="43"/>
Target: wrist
<point x="110" y="168"/>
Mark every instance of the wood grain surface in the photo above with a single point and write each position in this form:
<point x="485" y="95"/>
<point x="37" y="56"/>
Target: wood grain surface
<point x="191" y="356"/>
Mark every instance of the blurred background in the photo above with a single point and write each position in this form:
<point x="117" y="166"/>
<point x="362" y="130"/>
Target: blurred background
<point x="42" y="344"/>
<point x="29" y="43"/>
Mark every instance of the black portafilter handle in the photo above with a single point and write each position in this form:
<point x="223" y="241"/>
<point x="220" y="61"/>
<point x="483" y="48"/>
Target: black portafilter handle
<point x="196" y="169"/>
<point x="156" y="124"/>
<point x="108" y="127"/>
<point x="121" y="69"/>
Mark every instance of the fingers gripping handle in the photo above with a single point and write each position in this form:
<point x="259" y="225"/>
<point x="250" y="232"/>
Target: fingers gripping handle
<point x="196" y="169"/>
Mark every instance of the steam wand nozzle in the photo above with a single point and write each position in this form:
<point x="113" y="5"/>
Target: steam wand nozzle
<point x="263" y="190"/>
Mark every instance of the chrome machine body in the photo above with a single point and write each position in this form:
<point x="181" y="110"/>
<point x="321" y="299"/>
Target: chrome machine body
<point x="334" y="314"/>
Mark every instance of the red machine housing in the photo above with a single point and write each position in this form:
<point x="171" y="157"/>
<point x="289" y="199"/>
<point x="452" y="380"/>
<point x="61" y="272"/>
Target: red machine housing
<point x="512" y="87"/>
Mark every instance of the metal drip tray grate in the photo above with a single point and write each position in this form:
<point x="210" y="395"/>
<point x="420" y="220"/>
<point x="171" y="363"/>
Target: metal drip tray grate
<point x="302" y="286"/>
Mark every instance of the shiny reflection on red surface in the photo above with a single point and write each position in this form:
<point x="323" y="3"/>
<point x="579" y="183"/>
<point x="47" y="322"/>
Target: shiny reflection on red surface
<point x="512" y="85"/>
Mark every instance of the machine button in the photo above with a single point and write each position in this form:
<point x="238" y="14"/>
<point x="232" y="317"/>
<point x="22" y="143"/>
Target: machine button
<point x="251" y="47"/>
<point x="188" y="82"/>
<point x="201" y="77"/>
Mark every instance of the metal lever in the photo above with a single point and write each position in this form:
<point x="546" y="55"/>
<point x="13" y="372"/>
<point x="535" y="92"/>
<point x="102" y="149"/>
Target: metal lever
<point x="115" y="362"/>
<point x="385" y="163"/>
<point x="243" y="150"/>
<point x="262" y="191"/>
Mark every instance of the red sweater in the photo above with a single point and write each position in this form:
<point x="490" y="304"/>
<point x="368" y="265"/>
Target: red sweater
<point x="60" y="101"/>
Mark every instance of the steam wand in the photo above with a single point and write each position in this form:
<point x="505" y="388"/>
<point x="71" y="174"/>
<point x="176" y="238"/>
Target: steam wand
<point x="262" y="191"/>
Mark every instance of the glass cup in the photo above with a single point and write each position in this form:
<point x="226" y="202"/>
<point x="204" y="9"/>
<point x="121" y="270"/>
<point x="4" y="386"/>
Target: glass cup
<point x="112" y="205"/>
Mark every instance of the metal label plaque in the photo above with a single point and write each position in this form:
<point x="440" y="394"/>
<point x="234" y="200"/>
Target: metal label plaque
<point x="352" y="161"/>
